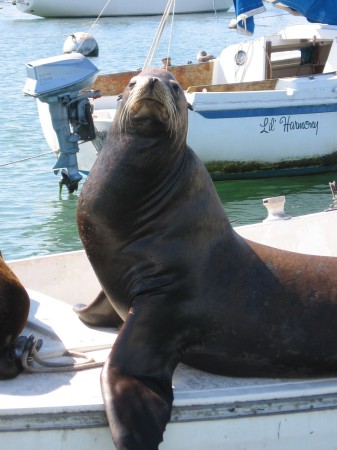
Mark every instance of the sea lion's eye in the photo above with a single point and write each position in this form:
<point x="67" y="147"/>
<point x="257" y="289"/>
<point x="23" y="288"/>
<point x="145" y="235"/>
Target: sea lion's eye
<point x="175" y="87"/>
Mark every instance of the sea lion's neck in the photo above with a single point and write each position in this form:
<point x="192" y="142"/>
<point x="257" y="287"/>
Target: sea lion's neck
<point x="136" y="176"/>
<point x="150" y="163"/>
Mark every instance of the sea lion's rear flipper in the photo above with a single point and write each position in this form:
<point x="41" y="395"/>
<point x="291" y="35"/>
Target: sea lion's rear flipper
<point x="136" y="384"/>
<point x="99" y="313"/>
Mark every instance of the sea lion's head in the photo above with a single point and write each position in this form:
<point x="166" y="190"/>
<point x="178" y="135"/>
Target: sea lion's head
<point x="153" y="103"/>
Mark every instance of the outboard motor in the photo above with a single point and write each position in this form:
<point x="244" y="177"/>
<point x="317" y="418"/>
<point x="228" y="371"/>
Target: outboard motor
<point x="59" y="81"/>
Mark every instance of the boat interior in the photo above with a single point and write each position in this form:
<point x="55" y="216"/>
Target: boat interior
<point x="301" y="57"/>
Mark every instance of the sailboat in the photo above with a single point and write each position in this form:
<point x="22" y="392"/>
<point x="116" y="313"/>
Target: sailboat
<point x="116" y="8"/>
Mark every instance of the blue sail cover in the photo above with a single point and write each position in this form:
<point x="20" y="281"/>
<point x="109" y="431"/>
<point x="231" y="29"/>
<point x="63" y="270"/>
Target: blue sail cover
<point x="320" y="11"/>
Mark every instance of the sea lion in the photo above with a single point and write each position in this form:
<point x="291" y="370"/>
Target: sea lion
<point x="188" y="287"/>
<point x="203" y="56"/>
<point x="166" y="62"/>
<point x="14" y="309"/>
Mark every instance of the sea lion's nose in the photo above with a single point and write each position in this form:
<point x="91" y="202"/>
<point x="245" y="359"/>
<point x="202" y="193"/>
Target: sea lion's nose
<point x="152" y="81"/>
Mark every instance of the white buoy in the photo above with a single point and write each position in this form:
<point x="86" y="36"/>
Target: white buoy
<point x="83" y="43"/>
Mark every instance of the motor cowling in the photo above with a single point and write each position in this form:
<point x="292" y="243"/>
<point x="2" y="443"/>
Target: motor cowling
<point x="60" y="82"/>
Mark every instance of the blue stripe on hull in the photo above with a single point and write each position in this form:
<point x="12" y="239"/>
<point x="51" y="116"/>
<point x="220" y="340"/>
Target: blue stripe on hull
<point x="258" y="112"/>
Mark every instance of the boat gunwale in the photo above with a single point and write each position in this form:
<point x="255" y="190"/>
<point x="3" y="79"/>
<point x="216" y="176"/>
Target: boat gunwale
<point x="94" y="417"/>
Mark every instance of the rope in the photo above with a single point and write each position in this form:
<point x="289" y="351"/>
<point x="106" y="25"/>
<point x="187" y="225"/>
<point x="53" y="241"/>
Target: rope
<point x="26" y="159"/>
<point x="29" y="356"/>
<point x="154" y="45"/>
<point x="171" y="33"/>
<point x="94" y="23"/>
<point x="215" y="10"/>
<point x="54" y="367"/>
<point x="99" y="15"/>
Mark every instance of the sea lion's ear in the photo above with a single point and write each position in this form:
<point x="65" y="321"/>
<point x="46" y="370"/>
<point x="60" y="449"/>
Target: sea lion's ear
<point x="119" y="97"/>
<point x="189" y="106"/>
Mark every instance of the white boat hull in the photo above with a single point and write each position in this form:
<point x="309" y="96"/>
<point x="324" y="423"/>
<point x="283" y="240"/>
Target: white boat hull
<point x="308" y="430"/>
<point x="280" y="129"/>
<point x="63" y="411"/>
<point x="89" y="8"/>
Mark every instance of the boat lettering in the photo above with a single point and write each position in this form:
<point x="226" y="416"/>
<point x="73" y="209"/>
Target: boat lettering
<point x="269" y="124"/>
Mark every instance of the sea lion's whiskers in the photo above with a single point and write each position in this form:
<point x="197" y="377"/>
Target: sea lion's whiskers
<point x="125" y="113"/>
<point x="173" y="114"/>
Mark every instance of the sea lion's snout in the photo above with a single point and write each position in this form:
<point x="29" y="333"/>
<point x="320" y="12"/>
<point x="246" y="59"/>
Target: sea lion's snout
<point x="151" y="88"/>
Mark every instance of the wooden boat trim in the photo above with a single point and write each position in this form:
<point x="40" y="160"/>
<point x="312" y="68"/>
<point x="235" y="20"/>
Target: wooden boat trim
<point x="264" y="85"/>
<point x="186" y="75"/>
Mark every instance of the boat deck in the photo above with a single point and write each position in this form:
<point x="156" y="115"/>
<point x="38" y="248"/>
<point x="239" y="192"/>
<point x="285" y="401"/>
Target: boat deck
<point x="55" y="402"/>
<point x="59" y="410"/>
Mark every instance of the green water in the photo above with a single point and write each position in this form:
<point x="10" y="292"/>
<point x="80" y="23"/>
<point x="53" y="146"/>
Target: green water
<point x="243" y="199"/>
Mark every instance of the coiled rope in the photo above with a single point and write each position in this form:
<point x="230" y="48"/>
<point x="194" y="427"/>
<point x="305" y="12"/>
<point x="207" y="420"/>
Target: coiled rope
<point x="30" y="358"/>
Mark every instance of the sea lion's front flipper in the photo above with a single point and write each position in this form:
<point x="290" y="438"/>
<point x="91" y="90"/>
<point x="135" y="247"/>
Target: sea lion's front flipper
<point x="99" y="313"/>
<point x="136" y="384"/>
